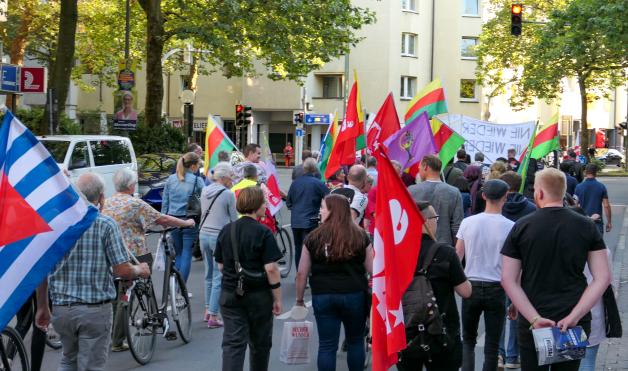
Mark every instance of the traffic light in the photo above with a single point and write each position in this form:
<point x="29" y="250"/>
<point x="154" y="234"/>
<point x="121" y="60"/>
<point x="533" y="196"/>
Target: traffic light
<point x="298" y="118"/>
<point x="516" y="16"/>
<point x="623" y="125"/>
<point x="248" y="115"/>
<point x="239" y="115"/>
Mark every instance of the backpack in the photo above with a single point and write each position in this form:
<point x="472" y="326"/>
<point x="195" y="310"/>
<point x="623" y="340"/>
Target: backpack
<point x="425" y="332"/>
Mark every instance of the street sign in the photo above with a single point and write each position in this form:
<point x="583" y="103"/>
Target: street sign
<point x="317" y="119"/>
<point x="33" y="79"/>
<point x="299" y="132"/>
<point x="10" y="78"/>
<point x="176" y="123"/>
<point x="199" y="125"/>
<point x="126" y="79"/>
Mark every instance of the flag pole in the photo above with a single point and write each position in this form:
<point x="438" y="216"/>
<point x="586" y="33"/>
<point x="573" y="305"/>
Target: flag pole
<point x="523" y="167"/>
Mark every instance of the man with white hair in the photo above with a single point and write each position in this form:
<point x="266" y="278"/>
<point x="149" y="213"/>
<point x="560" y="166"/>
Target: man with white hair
<point x="82" y="287"/>
<point x="133" y="216"/>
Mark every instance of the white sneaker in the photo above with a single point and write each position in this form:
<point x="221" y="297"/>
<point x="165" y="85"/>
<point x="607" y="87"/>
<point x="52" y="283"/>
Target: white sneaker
<point x="500" y="362"/>
<point x="189" y="294"/>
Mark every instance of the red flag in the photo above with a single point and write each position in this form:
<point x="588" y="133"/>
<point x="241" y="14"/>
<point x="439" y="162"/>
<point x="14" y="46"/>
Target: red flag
<point x="386" y="123"/>
<point x="398" y="229"/>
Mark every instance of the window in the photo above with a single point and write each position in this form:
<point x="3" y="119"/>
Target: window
<point x="331" y="86"/>
<point x="470" y="7"/>
<point x="408" y="87"/>
<point x="408" y="44"/>
<point x="110" y="152"/>
<point x="467" y="47"/>
<point x="80" y="156"/>
<point x="409" y="5"/>
<point x="468" y="90"/>
<point x="57" y="149"/>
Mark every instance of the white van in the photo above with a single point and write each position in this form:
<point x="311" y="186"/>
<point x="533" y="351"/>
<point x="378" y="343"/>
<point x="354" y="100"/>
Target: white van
<point x="102" y="154"/>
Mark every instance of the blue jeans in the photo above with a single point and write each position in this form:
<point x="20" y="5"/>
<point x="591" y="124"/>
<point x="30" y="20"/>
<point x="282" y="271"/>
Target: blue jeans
<point x="588" y="362"/>
<point x="213" y="276"/>
<point x="183" y="240"/>
<point x="509" y="351"/>
<point x="330" y="310"/>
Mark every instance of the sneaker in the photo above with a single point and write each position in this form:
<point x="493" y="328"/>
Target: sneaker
<point x="189" y="294"/>
<point x="206" y="316"/>
<point x="513" y="364"/>
<point x="500" y="362"/>
<point x="215" y="323"/>
<point x="120" y="348"/>
<point x="171" y="335"/>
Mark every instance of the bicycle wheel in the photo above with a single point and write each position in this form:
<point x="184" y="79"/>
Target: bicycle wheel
<point x="140" y="327"/>
<point x="284" y="241"/>
<point x="13" y="355"/>
<point x="52" y="338"/>
<point x="181" y="309"/>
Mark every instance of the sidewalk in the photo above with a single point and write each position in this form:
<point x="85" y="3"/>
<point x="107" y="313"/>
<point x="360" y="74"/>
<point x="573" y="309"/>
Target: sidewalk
<point x="613" y="354"/>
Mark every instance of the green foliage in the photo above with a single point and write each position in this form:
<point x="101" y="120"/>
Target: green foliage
<point x="159" y="138"/>
<point x="34" y="117"/>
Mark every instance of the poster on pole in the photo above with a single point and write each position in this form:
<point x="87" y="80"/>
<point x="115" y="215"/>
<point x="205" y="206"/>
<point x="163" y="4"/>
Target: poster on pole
<point x="492" y="139"/>
<point x="125" y="108"/>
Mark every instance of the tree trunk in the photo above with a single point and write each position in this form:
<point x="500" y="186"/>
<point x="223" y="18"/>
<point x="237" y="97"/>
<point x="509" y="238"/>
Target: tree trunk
<point x="64" y="58"/>
<point x="194" y="74"/>
<point x="584" y="127"/>
<point x="155" y="39"/>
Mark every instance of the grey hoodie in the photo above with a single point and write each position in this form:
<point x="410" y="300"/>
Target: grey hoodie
<point x="223" y="211"/>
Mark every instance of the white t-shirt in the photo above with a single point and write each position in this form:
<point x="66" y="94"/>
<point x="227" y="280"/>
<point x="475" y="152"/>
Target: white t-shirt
<point x="484" y="235"/>
<point x="359" y="202"/>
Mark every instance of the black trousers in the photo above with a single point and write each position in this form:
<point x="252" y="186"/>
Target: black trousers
<point x="248" y="321"/>
<point x="26" y="319"/>
<point x="527" y="351"/>
<point x="299" y="236"/>
<point x="447" y="361"/>
<point x="488" y="298"/>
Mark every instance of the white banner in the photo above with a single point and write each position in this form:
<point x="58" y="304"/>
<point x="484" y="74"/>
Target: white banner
<point x="493" y="140"/>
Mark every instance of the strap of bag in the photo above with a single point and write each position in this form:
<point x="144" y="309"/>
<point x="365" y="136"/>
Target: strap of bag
<point x="210" y="206"/>
<point x="234" y="247"/>
<point x="194" y="188"/>
<point x="429" y="257"/>
<point x="448" y="174"/>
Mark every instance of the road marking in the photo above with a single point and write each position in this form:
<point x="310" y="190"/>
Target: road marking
<point x="308" y="304"/>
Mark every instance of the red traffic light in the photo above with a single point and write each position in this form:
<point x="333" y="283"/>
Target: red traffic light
<point x="239" y="108"/>
<point x="516" y="9"/>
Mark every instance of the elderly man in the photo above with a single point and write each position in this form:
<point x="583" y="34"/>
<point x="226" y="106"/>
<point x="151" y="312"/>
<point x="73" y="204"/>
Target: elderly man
<point x="82" y="287"/>
<point x="133" y="216"/>
<point x="304" y="201"/>
<point x="357" y="183"/>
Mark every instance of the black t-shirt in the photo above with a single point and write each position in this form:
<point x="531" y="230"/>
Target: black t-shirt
<point x="256" y="247"/>
<point x="444" y="274"/>
<point x="553" y="245"/>
<point x="340" y="277"/>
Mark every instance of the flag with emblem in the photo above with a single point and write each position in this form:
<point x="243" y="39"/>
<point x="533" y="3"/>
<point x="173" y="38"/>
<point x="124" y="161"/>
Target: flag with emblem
<point x="41" y="215"/>
<point x="398" y="229"/>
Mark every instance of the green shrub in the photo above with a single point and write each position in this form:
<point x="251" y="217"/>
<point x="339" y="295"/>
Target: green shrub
<point x="161" y="138"/>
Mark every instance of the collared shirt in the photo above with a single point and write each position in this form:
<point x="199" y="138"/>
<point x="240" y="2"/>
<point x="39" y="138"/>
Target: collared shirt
<point x="133" y="215"/>
<point x="84" y="275"/>
<point x="177" y="193"/>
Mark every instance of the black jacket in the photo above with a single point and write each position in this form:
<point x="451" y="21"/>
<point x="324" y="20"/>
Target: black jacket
<point x="517" y="206"/>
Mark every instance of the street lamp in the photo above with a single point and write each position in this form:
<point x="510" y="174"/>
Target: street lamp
<point x="187" y="98"/>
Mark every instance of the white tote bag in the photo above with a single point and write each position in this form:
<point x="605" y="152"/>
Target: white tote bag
<point x="295" y="342"/>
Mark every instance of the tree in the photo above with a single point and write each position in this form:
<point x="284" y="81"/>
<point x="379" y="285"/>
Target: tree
<point x="582" y="39"/>
<point x="288" y="38"/>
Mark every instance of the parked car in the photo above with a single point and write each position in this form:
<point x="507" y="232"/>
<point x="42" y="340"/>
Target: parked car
<point x="612" y="157"/>
<point x="154" y="169"/>
<point x="103" y="154"/>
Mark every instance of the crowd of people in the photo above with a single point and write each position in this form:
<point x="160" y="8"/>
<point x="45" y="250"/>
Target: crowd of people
<point x="517" y="258"/>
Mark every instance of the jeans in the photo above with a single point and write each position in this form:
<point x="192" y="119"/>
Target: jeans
<point x="213" y="276"/>
<point x="488" y="298"/>
<point x="527" y="351"/>
<point x="447" y="361"/>
<point x="85" y="333"/>
<point x="588" y="362"/>
<point x="299" y="236"/>
<point x="183" y="240"/>
<point x="248" y="320"/>
<point x="509" y="351"/>
<point x="330" y="310"/>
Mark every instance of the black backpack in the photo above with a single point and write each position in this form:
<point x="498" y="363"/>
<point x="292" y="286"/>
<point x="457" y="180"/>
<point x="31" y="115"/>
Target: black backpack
<point x="425" y="332"/>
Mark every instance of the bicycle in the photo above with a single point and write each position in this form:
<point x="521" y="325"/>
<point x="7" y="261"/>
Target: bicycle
<point x="144" y="317"/>
<point x="286" y="247"/>
<point x="13" y="355"/>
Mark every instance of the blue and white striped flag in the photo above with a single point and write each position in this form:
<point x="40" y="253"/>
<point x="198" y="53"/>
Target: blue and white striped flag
<point x="41" y="216"/>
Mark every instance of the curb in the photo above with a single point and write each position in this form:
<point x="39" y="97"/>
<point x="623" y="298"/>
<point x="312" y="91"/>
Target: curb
<point x="618" y="256"/>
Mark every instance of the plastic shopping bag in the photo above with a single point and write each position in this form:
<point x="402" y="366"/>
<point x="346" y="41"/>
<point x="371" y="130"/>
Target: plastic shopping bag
<point x="159" y="264"/>
<point x="295" y="342"/>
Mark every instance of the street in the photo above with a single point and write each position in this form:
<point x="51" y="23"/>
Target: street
<point x="204" y="352"/>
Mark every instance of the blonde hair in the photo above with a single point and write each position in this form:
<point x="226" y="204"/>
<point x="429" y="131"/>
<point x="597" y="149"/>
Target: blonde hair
<point x="185" y="162"/>
<point x="553" y="183"/>
<point x="497" y="170"/>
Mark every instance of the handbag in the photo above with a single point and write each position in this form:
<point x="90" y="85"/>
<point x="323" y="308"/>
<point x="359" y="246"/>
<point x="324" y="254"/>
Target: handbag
<point x="242" y="273"/>
<point x="193" y="209"/>
<point x="612" y="320"/>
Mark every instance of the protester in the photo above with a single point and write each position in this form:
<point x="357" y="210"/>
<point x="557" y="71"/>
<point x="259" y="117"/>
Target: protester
<point x="337" y="180"/>
<point x="133" y="216"/>
<point x="288" y="153"/>
<point x="297" y="171"/>
<point x="576" y="168"/>
<point x="25" y="319"/>
<point x="446" y="276"/>
<point x="497" y="169"/>
<point x="452" y="173"/>
<point x="463" y="187"/>
<point x="338" y="254"/>
<point x="543" y="262"/>
<point x="473" y="175"/>
<point x="82" y="287"/>
<point x="371" y="167"/>
<point x="252" y="155"/>
<point x="357" y="182"/>
<point x="304" y="200"/>
<point x="572" y="182"/>
<point x="479" y="161"/>
<point x="250" y="179"/>
<point x="445" y="199"/>
<point x="513" y="163"/>
<point x="461" y="160"/>
<point x="480" y="247"/>
<point x="177" y="192"/>
<point x="218" y="205"/>
<point x="248" y="315"/>
<point x="593" y="196"/>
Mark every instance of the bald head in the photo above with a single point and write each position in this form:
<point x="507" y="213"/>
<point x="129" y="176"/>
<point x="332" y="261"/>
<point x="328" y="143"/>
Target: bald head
<point x="357" y="176"/>
<point x="92" y="186"/>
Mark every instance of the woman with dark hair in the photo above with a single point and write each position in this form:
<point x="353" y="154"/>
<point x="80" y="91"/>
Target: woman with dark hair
<point x="473" y="175"/>
<point x="337" y="180"/>
<point x="463" y="186"/>
<point x="338" y="254"/>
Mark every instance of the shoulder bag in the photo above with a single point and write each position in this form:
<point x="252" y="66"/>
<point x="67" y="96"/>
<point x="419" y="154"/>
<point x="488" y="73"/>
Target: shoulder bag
<point x="210" y="207"/>
<point x="242" y="273"/>
<point x="193" y="209"/>
<point x="612" y="321"/>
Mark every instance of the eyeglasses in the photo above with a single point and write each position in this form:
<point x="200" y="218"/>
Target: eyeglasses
<point x="434" y="217"/>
